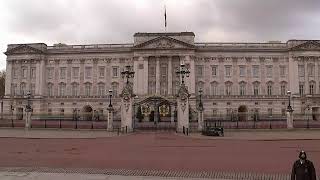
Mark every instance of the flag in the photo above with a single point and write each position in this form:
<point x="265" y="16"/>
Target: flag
<point x="165" y="16"/>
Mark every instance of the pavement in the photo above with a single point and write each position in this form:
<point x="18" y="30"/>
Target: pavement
<point x="230" y="134"/>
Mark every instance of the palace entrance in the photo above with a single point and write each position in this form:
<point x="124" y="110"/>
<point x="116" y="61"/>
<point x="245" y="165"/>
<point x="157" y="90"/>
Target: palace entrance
<point x="242" y="113"/>
<point x="155" y="113"/>
<point x="87" y="113"/>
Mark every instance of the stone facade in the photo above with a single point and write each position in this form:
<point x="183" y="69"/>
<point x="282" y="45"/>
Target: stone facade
<point x="235" y="77"/>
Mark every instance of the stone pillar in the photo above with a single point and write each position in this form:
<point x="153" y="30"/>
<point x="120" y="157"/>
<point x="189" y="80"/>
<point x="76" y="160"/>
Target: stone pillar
<point x="183" y="108"/>
<point x="158" y="76"/>
<point x="145" y="73"/>
<point x="27" y="118"/>
<point x="8" y="78"/>
<point x="42" y="83"/>
<point x="136" y="89"/>
<point x="200" y="120"/>
<point x="127" y="109"/>
<point x="170" y="75"/>
<point x="172" y="113"/>
<point x="290" y="119"/>
<point x="110" y="119"/>
<point x="192" y="77"/>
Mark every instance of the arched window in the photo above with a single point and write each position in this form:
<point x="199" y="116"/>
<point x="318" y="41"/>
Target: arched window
<point x="22" y="88"/>
<point x="242" y="88"/>
<point x="283" y="88"/>
<point x="269" y="88"/>
<point x="115" y="89"/>
<point x="50" y="89"/>
<point x="256" y="88"/>
<point x="75" y="89"/>
<point x="101" y="89"/>
<point x="214" y="88"/>
<point x="312" y="87"/>
<point x="87" y="89"/>
<point x="228" y="88"/>
<point x="62" y="89"/>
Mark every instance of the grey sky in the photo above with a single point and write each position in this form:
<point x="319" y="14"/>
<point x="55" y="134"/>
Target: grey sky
<point x="115" y="21"/>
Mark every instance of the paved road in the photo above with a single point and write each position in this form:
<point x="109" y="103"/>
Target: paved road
<point x="162" y="151"/>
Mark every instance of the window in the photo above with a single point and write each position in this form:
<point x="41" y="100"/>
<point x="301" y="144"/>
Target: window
<point x="214" y="112"/>
<point x="256" y="89"/>
<point x="269" y="71"/>
<point x="101" y="89"/>
<point x="115" y="71"/>
<point x="310" y="70"/>
<point x="301" y="89"/>
<point x="88" y="71"/>
<point x="199" y="71"/>
<point x="13" y="89"/>
<point x="228" y="89"/>
<point x="228" y="71"/>
<point x="14" y="73"/>
<point x="283" y="112"/>
<point x="255" y="71"/>
<point x="63" y="73"/>
<point x="33" y="73"/>
<point x="242" y="71"/>
<point x="50" y="89"/>
<point x="50" y="72"/>
<point x="74" y="89"/>
<point x="140" y="66"/>
<point x="115" y="87"/>
<point x="22" y="88"/>
<point x="282" y="71"/>
<point x="101" y="72"/>
<point x="269" y="89"/>
<point x="214" y="70"/>
<point x="283" y="89"/>
<point x="75" y="72"/>
<point x="152" y="87"/>
<point x="87" y="89"/>
<point x="270" y="112"/>
<point x="301" y="70"/>
<point x="311" y="88"/>
<point x="214" y="88"/>
<point x="33" y="89"/>
<point x="242" y="89"/>
<point x="24" y="72"/>
<point x="62" y="89"/>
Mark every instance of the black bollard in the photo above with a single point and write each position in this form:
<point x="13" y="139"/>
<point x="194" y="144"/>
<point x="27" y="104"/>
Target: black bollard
<point x="183" y="131"/>
<point x="126" y="129"/>
<point x="60" y="123"/>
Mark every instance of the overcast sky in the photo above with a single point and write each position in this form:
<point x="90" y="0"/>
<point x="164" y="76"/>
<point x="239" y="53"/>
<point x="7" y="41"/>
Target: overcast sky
<point x="115" y="21"/>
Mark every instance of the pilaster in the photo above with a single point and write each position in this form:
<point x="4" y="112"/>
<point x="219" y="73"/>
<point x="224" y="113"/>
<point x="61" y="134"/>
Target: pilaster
<point x="170" y="75"/>
<point x="158" y="75"/>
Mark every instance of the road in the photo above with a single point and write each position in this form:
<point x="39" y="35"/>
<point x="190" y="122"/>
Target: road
<point x="162" y="151"/>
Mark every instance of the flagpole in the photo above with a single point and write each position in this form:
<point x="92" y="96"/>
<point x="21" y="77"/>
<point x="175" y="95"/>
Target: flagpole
<point x="165" y="18"/>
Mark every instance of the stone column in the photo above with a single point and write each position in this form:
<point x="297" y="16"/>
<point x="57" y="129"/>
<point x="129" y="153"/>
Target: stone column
<point x="8" y="78"/>
<point x="290" y="119"/>
<point x="200" y="120"/>
<point x="27" y="118"/>
<point x="170" y="75"/>
<point x="42" y="83"/>
<point x="136" y="78"/>
<point x="172" y="113"/>
<point x="145" y="73"/>
<point x="158" y="75"/>
<point x="110" y="119"/>
<point x="192" y="77"/>
<point x="183" y="109"/>
<point x="126" y="114"/>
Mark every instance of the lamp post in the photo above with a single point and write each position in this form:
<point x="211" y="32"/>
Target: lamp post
<point x="289" y="112"/>
<point x="289" y="109"/>
<point x="127" y="73"/>
<point x="200" y="111"/>
<point x="28" y="110"/>
<point x="182" y="72"/>
<point x="110" y="112"/>
<point x="308" y="108"/>
<point x="12" y="109"/>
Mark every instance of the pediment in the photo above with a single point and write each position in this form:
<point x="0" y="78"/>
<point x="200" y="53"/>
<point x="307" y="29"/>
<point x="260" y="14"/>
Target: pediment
<point x="307" y="46"/>
<point x="164" y="42"/>
<point x="23" y="49"/>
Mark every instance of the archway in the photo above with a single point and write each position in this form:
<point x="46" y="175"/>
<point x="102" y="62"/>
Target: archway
<point x="87" y="113"/>
<point x="242" y="113"/>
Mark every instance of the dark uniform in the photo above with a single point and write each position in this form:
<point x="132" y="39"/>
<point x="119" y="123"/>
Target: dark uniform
<point x="303" y="169"/>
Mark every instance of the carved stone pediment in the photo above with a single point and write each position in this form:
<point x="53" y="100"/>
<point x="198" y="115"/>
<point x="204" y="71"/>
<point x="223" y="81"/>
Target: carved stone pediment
<point x="23" y="49"/>
<point x="307" y="46"/>
<point x="164" y="42"/>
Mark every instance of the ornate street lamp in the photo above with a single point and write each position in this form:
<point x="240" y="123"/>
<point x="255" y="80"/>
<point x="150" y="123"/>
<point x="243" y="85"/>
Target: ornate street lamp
<point x="28" y="106"/>
<point x="183" y="72"/>
<point x="128" y="73"/>
<point x="289" y="109"/>
<point x="308" y="108"/>
<point x="200" y="100"/>
<point x="110" y="96"/>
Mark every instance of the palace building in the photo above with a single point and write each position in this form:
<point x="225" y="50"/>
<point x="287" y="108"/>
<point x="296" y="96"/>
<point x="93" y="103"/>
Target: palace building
<point x="234" y="77"/>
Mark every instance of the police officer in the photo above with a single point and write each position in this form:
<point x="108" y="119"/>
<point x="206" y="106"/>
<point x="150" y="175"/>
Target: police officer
<point x="303" y="169"/>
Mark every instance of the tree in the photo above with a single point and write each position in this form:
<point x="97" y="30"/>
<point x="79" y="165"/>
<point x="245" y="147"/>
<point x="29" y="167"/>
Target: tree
<point x="2" y="82"/>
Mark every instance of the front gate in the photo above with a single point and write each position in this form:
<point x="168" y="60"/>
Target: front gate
<point x="155" y="113"/>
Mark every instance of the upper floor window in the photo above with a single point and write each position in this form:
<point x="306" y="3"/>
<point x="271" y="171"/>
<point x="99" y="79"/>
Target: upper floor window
<point x="14" y="73"/>
<point x="33" y="73"/>
<point x="214" y="88"/>
<point x="199" y="71"/>
<point x="228" y="89"/>
<point x="311" y="88"/>
<point x="50" y="72"/>
<point x="101" y="89"/>
<point x="62" y="89"/>
<point x="301" y="70"/>
<point x="242" y="71"/>
<point x="50" y="89"/>
<point x="214" y="70"/>
<point x="75" y="89"/>
<point x="13" y="89"/>
<point x="87" y="89"/>
<point x="101" y="72"/>
<point x="115" y="70"/>
<point x="227" y="71"/>
<point x="63" y="72"/>
<point x="270" y="112"/>
<point x="115" y="88"/>
<point x="256" y="89"/>
<point x="283" y="89"/>
<point x="310" y="69"/>
<point x="22" y="88"/>
<point x="255" y="71"/>
<point x="301" y="89"/>
<point x="269" y="71"/>
<point x="242" y="89"/>
<point x="282" y="71"/>
<point x="269" y="89"/>
<point x="75" y="72"/>
<point x="24" y="72"/>
<point x="88" y="72"/>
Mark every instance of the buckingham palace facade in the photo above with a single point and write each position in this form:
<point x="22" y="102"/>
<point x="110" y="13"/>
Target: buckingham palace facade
<point x="234" y="77"/>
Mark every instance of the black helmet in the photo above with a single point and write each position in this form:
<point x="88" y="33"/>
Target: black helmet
<point x="302" y="155"/>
